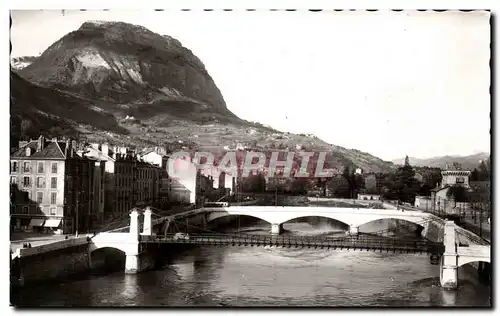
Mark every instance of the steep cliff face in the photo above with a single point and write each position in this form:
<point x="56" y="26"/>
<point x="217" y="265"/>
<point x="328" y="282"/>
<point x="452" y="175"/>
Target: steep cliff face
<point x="125" y="63"/>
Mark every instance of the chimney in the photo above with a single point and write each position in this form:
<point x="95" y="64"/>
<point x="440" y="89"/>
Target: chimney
<point x="105" y="149"/>
<point x="73" y="147"/>
<point x="67" y="147"/>
<point x="22" y="144"/>
<point x="41" y="143"/>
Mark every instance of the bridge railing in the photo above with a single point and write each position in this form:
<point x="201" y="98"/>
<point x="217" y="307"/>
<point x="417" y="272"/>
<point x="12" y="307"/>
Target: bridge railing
<point x="353" y="242"/>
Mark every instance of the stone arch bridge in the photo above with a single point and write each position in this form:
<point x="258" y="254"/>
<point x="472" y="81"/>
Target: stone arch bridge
<point x="352" y="217"/>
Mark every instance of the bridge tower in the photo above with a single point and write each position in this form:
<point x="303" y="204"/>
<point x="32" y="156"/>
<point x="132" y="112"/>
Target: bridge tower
<point x="147" y="227"/>
<point x="132" y="261"/>
<point x="449" y="261"/>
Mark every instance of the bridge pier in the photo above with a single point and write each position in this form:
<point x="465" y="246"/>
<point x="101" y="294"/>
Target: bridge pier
<point x="132" y="261"/>
<point x="147" y="229"/>
<point x="449" y="260"/>
<point x="276" y="229"/>
<point x="353" y="230"/>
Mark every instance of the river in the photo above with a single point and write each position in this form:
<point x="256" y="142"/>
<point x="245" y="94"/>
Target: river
<point x="257" y="276"/>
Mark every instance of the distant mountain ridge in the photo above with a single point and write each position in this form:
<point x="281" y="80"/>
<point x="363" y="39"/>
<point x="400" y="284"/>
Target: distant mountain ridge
<point x="468" y="162"/>
<point x="124" y="84"/>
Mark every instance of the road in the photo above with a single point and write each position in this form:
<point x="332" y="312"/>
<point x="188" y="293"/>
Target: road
<point x="37" y="239"/>
<point x="18" y="239"/>
<point x="483" y="230"/>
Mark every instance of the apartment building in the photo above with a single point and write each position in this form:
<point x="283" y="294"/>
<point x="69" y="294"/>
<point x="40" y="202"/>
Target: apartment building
<point x="157" y="157"/>
<point x="127" y="180"/>
<point x="50" y="187"/>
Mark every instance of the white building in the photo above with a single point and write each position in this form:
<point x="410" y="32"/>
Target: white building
<point x="182" y="174"/>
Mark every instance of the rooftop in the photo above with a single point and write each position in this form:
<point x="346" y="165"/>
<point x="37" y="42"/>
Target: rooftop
<point x="45" y="149"/>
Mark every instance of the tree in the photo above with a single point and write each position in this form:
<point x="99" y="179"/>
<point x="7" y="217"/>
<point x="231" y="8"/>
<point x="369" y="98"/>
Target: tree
<point x="474" y="175"/>
<point x="300" y="186"/>
<point x="425" y="190"/>
<point x="253" y="183"/>
<point x="407" y="161"/>
<point x="351" y="181"/>
<point x="459" y="193"/>
<point x="339" y="187"/>
<point x="483" y="173"/>
<point x="402" y="185"/>
<point x="371" y="184"/>
<point x="359" y="184"/>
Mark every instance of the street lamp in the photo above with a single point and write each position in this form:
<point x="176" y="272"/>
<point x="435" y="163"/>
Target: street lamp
<point x="77" y="200"/>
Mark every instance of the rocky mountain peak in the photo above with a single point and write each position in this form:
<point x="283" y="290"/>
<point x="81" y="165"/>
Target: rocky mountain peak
<point x="127" y="63"/>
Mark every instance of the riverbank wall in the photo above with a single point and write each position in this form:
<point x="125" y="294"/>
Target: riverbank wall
<point x="55" y="264"/>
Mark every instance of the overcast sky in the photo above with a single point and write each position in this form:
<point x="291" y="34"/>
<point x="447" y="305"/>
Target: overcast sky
<point x="387" y="83"/>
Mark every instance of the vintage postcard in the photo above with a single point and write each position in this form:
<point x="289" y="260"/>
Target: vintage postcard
<point x="250" y="158"/>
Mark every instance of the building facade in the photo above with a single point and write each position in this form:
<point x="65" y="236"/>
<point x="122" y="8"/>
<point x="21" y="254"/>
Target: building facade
<point x="51" y="187"/>
<point x="127" y="181"/>
<point x="455" y="177"/>
<point x="439" y="195"/>
<point x="158" y="158"/>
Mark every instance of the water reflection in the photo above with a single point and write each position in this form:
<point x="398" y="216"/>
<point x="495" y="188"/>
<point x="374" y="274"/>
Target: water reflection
<point x="448" y="297"/>
<point x="257" y="276"/>
<point x="129" y="289"/>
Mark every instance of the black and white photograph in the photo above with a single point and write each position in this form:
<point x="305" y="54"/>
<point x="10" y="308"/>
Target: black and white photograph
<point x="250" y="158"/>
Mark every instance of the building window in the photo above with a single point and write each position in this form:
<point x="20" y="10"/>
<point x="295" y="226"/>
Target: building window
<point x="39" y="197"/>
<point x="27" y="182"/>
<point x="40" y="182"/>
<point x="27" y="167"/>
<point x="53" y="183"/>
<point x="52" y="211"/>
<point x="53" y="198"/>
<point x="14" y="166"/>
<point x="25" y="210"/>
<point x="460" y="180"/>
<point x="41" y="167"/>
<point x="13" y="180"/>
<point x="54" y="167"/>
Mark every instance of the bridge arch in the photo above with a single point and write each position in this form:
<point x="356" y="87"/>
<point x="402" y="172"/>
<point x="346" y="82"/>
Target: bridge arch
<point x="351" y="217"/>
<point x="409" y="219"/>
<point x="107" y="259"/>
<point x="111" y="240"/>
<point x="465" y="260"/>
<point x="316" y="217"/>
<point x="221" y="214"/>
<point x="93" y="248"/>
<point x="111" y="249"/>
